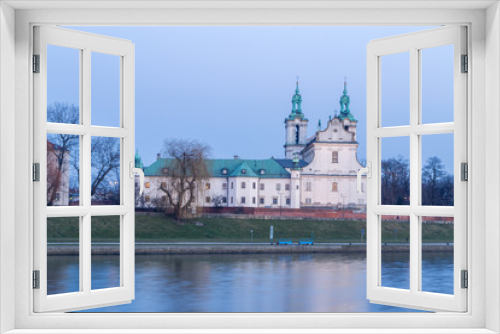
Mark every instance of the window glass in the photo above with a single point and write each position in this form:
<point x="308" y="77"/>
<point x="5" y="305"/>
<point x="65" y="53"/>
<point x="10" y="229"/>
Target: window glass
<point x="395" y="232"/>
<point x="105" y="186"/>
<point x="395" y="171"/>
<point x="105" y="248"/>
<point x="395" y="89"/>
<point x="63" y="250"/>
<point x="105" y="90"/>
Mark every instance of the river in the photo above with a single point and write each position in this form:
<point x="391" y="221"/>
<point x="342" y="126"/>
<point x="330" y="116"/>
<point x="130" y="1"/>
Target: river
<point x="252" y="282"/>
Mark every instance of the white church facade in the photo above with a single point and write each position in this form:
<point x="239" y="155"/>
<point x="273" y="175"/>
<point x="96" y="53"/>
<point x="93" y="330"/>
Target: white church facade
<point x="317" y="172"/>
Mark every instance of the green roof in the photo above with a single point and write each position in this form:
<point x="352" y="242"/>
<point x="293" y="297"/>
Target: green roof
<point x="233" y="167"/>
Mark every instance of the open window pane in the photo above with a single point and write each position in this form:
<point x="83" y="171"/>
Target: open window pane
<point x="63" y="169"/>
<point x="63" y="255"/>
<point x="437" y="170"/>
<point x="63" y="85"/>
<point x="437" y="254"/>
<point x="437" y="84"/>
<point x="105" y="90"/>
<point x="395" y="171"/>
<point x="395" y="265"/>
<point x="105" y="252"/>
<point x="395" y="89"/>
<point x="105" y="187"/>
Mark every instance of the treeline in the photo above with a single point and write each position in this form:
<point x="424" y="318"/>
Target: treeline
<point x="437" y="183"/>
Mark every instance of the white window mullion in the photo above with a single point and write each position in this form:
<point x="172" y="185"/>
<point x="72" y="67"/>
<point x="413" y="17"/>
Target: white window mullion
<point x="414" y="169"/>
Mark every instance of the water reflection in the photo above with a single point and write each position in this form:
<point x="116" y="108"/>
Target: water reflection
<point x="261" y="283"/>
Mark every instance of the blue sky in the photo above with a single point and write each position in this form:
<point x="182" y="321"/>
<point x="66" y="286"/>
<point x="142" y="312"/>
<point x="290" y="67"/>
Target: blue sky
<point x="231" y="87"/>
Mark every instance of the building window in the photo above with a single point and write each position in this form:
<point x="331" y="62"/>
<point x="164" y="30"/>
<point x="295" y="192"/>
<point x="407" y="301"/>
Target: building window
<point x="261" y="200"/>
<point x="253" y="200"/>
<point x="288" y="201"/>
<point x="262" y="187"/>
<point x="335" y="187"/>
<point x="308" y="201"/>
<point x="262" y="171"/>
<point x="58" y="196"/>
<point x="335" y="157"/>
<point x="224" y="186"/>
<point x="278" y="186"/>
<point x="287" y="186"/>
<point x="243" y="200"/>
<point x="207" y="185"/>
<point x="231" y="185"/>
<point x="254" y="185"/>
<point x="243" y="171"/>
<point x="147" y="185"/>
<point x="224" y="171"/>
<point x="164" y="170"/>
<point x="308" y="186"/>
<point x="207" y="199"/>
<point x="231" y="200"/>
<point x="164" y="198"/>
<point x="275" y="200"/>
<point x="164" y="185"/>
<point x="243" y="185"/>
<point x="147" y="198"/>
<point x="224" y="199"/>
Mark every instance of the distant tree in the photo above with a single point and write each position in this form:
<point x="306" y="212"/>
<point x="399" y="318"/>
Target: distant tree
<point x="437" y="185"/>
<point x="395" y="181"/>
<point x="218" y="201"/>
<point x="105" y="163"/>
<point x="59" y="148"/>
<point x="186" y="168"/>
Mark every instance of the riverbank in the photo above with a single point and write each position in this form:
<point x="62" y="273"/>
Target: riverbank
<point x="192" y="249"/>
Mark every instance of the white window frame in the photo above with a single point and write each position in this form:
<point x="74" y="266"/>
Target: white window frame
<point x="16" y="122"/>
<point x="413" y="44"/>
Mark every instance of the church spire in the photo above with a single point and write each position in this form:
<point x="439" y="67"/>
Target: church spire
<point x="345" y="112"/>
<point x="296" y="103"/>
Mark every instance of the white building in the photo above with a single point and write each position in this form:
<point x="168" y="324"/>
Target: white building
<point x="319" y="171"/>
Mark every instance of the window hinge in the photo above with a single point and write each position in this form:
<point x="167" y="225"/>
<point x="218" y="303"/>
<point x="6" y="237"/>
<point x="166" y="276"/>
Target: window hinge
<point x="36" y="63"/>
<point x="36" y="172"/>
<point x="465" y="64"/>
<point x="36" y="279"/>
<point x="464" y="170"/>
<point x="465" y="279"/>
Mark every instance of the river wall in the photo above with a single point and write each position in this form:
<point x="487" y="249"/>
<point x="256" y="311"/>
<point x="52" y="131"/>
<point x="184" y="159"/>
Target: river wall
<point x="151" y="249"/>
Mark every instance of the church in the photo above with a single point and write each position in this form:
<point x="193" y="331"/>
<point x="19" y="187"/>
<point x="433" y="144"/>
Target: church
<point x="317" y="172"/>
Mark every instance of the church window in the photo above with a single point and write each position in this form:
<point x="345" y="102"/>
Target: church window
<point x="346" y="128"/>
<point x="297" y="134"/>
<point x="288" y="201"/>
<point x="243" y="200"/>
<point x="335" y="157"/>
<point x="243" y="185"/>
<point x="253" y="200"/>
<point x="231" y="200"/>
<point x="224" y="186"/>
<point x="275" y="200"/>
<point x="287" y="186"/>
<point x="278" y="186"/>
<point x="207" y="199"/>
<point x="335" y="187"/>
<point x="231" y="185"/>
<point x="224" y="171"/>
<point x="147" y="185"/>
<point x="262" y="186"/>
<point x="262" y="200"/>
<point x="308" y="186"/>
<point x="254" y="185"/>
<point x="207" y="185"/>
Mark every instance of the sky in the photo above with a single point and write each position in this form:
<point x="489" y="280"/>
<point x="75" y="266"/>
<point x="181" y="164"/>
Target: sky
<point x="231" y="87"/>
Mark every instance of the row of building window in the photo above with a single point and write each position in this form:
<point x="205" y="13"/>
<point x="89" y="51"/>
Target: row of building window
<point x="254" y="186"/>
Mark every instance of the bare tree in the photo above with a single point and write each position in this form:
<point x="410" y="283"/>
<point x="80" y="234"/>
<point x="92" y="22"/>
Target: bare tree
<point x="185" y="168"/>
<point x="105" y="165"/>
<point x="218" y="201"/>
<point x="59" y="149"/>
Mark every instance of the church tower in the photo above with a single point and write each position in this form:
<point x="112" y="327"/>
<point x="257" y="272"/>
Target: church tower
<point x="296" y="128"/>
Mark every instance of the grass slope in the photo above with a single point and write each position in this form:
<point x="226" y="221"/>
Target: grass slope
<point x="150" y="228"/>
